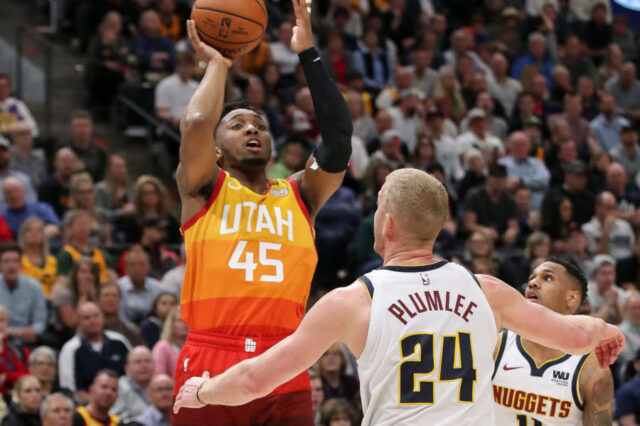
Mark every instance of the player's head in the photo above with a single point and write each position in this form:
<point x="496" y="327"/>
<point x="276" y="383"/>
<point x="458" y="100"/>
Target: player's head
<point x="558" y="284"/>
<point x="412" y="208"/>
<point x="242" y="137"/>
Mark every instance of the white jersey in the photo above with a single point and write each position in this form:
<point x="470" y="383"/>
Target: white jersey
<point x="527" y="394"/>
<point x="428" y="358"/>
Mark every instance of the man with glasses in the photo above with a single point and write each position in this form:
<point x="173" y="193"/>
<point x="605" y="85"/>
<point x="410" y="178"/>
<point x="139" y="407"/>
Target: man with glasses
<point x="161" y="395"/>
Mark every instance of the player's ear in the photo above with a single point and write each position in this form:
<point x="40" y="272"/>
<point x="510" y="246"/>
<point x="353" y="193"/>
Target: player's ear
<point x="573" y="300"/>
<point x="389" y="226"/>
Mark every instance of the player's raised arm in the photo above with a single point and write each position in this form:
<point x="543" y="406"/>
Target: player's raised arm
<point x="575" y="334"/>
<point x="197" y="150"/>
<point x="341" y="315"/>
<point x="325" y="170"/>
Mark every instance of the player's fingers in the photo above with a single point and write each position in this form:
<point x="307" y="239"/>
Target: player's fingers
<point x="206" y="375"/>
<point x="191" y="32"/>
<point x="296" y="7"/>
<point x="307" y="7"/>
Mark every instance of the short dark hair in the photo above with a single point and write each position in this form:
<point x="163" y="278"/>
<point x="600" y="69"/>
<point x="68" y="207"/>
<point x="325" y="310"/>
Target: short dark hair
<point x="575" y="271"/>
<point x="10" y="246"/>
<point x="230" y="106"/>
<point x="80" y="113"/>
<point x="107" y="372"/>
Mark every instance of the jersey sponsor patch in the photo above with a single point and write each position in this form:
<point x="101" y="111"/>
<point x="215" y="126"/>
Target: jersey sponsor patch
<point x="282" y="192"/>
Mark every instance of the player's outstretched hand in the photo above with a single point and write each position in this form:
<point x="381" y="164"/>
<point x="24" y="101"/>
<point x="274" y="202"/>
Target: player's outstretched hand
<point x="202" y="49"/>
<point x="610" y="346"/>
<point x="302" y="38"/>
<point x="187" y="395"/>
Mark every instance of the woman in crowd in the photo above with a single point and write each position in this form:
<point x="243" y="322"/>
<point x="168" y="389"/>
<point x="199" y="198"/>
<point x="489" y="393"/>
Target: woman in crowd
<point x="36" y="260"/>
<point x="424" y="153"/>
<point x="43" y="365"/>
<point x="151" y="326"/>
<point x="338" y="412"/>
<point x="363" y="125"/>
<point x="448" y="94"/>
<point x="151" y="200"/>
<point x="559" y="224"/>
<point x="335" y="382"/>
<point x="479" y="246"/>
<point x="12" y="359"/>
<point x="374" y="178"/>
<point x="165" y="352"/>
<point x="24" y="409"/>
<point x="82" y="197"/>
<point x="114" y="194"/>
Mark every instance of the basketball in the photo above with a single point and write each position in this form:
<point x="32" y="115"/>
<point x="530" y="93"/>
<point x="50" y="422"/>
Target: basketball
<point x="233" y="27"/>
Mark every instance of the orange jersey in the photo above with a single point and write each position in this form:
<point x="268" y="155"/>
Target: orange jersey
<point x="250" y="260"/>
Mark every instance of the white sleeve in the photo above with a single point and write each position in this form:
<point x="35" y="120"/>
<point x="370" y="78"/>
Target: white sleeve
<point x="162" y="95"/>
<point x="66" y="367"/>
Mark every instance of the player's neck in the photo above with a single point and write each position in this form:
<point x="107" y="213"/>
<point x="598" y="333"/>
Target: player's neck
<point x="540" y="353"/>
<point x="408" y="256"/>
<point x="255" y="180"/>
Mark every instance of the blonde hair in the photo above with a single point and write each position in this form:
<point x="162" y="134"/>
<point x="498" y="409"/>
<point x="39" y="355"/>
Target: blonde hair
<point x="74" y="184"/>
<point x="335" y="348"/>
<point x="167" y="326"/>
<point x="163" y="197"/>
<point x="15" y="395"/>
<point x="417" y="201"/>
<point x="533" y="241"/>
<point x="23" y="230"/>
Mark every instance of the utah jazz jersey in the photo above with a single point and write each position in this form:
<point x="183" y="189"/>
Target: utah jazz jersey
<point x="250" y="260"/>
<point x="528" y="394"/>
<point x="428" y="358"/>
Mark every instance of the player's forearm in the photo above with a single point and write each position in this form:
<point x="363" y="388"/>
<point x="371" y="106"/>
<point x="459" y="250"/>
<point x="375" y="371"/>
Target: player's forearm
<point x="331" y="112"/>
<point x="205" y="105"/>
<point x="236" y="386"/>
<point x="590" y="331"/>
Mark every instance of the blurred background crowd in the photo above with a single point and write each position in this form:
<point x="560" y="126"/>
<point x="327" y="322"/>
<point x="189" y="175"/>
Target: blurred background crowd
<point x="528" y="111"/>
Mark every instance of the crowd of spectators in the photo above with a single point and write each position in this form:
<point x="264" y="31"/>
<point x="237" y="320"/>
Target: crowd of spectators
<point x="528" y="111"/>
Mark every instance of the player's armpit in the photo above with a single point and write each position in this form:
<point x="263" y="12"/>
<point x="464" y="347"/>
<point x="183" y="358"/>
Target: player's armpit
<point x="316" y="185"/>
<point x="596" y="388"/>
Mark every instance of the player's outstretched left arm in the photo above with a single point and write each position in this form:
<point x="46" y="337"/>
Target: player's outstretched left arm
<point x="325" y="169"/>
<point x="596" y="389"/>
<point x="340" y="316"/>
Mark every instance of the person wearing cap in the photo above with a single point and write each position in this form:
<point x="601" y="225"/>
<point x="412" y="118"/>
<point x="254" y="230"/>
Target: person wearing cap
<point x="574" y="187"/>
<point x="390" y="150"/>
<point x="491" y="209"/>
<point x="524" y="169"/>
<point x="606" y="233"/>
<point x="628" y="152"/>
<point x="6" y="172"/>
<point x="628" y="398"/>
<point x="608" y="125"/>
<point x="477" y="136"/>
<point x="605" y="297"/>
<point x="497" y="125"/>
<point x="406" y="119"/>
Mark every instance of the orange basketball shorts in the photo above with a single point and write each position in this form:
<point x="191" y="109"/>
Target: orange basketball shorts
<point x="288" y="404"/>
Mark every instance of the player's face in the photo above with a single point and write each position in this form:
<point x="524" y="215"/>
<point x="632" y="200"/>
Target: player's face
<point x="243" y="139"/>
<point x="549" y="286"/>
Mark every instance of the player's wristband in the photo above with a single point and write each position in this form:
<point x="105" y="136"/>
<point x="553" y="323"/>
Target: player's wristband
<point x="198" y="392"/>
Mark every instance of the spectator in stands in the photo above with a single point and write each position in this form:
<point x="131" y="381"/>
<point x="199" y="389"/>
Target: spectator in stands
<point x="626" y="193"/>
<point x="115" y="194"/>
<point x="42" y="364"/>
<point x="173" y="93"/>
<point x="383" y="122"/>
<point x="55" y="189"/>
<point x="611" y="67"/>
<point x="291" y="160"/>
<point x="492" y="209"/>
<point x="139" y="290"/>
<point x="559" y="223"/>
<point x="102" y="394"/>
<point x="478" y="137"/>
<point x="161" y="396"/>
<point x="172" y="280"/>
<point x="22" y="296"/>
<point x="406" y="116"/>
<point x="171" y="23"/>
<point x="597" y="32"/>
<point x="448" y="94"/>
<point x="108" y="299"/>
<point x="56" y="410"/>
<point x="6" y="172"/>
<point x="83" y="143"/>
<point x="90" y="351"/>
<point x="37" y="262"/>
<point x="150" y="200"/>
<point x="628" y="152"/>
<point x="13" y="357"/>
<point x="574" y="187"/>
<point x="606" y="233"/>
<point x="536" y="61"/>
<point x="581" y="133"/>
<point x="151" y="326"/>
<point x="132" y="387"/>
<point x="254" y="64"/>
<point x="82" y="197"/>
<point x="461" y="46"/>
<point x="363" y="125"/>
<point x="79" y="223"/>
<point x="502" y="87"/>
<point x="374" y="63"/>
<point x="630" y="327"/>
<point x="338" y="411"/>
<point x="606" y="298"/>
<point x="497" y="125"/>
<point x="474" y="167"/>
<point x="165" y="352"/>
<point x="24" y="158"/>
<point x="335" y="382"/>
<point x="390" y="95"/>
<point x="578" y="63"/>
<point x="302" y="120"/>
<point x="424" y="153"/>
<point x="282" y="54"/>
<point x="12" y="110"/>
<point x="479" y="245"/>
<point x="255" y="96"/>
<point x="625" y="89"/>
<point x="424" y="77"/>
<point x="608" y="125"/>
<point x="391" y="148"/>
<point x="628" y="398"/>
<point x="317" y="395"/>
<point x="17" y="209"/>
<point x="24" y="409"/>
<point x="155" y="53"/>
<point x="523" y="169"/>
<point x="446" y="150"/>
<point x="81" y="286"/>
<point x="339" y="60"/>
<point x="628" y="270"/>
<point x="590" y="99"/>
<point x="623" y="36"/>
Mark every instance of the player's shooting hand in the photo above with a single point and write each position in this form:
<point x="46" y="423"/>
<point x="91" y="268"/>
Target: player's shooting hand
<point x="610" y="346"/>
<point x="302" y="38"/>
<point x="203" y="50"/>
<point x="187" y="397"/>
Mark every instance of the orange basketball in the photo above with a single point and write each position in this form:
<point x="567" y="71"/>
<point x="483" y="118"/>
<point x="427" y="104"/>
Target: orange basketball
<point x="233" y="27"/>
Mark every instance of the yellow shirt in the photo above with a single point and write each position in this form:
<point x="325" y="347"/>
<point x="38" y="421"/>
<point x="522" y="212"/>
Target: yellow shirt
<point x="46" y="274"/>
<point x="90" y="421"/>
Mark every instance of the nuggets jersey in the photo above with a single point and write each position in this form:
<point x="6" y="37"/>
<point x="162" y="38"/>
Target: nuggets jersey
<point x="428" y="358"/>
<point x="527" y="394"/>
<point x="250" y="260"/>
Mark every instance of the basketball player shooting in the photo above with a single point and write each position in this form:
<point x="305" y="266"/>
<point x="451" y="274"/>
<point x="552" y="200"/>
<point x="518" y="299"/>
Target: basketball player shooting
<point x="534" y="384"/>
<point x="249" y="241"/>
<point x="423" y="330"/>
